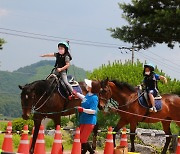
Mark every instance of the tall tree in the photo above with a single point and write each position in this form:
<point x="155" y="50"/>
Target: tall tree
<point x="2" y="41"/>
<point x="150" y="22"/>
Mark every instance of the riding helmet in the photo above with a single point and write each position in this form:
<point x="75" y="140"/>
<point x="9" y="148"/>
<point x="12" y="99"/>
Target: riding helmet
<point x="149" y="65"/>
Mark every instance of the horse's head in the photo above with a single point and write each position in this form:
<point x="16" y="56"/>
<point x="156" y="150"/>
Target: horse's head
<point x="119" y="91"/>
<point x="27" y="99"/>
<point x="105" y="93"/>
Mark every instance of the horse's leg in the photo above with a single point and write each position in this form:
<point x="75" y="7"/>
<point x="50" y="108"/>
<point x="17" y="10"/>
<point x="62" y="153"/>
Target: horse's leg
<point x="132" y="137"/>
<point x="166" y="128"/>
<point x="37" y="124"/>
<point x="57" y="120"/>
<point x="120" y="124"/>
<point x="95" y="132"/>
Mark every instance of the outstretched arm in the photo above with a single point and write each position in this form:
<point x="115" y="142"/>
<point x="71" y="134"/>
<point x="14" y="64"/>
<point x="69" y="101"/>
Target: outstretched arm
<point x="81" y="96"/>
<point x="163" y="79"/>
<point x="48" y="55"/>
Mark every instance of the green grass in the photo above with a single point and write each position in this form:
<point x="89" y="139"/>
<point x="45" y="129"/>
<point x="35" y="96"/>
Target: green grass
<point x="3" y="125"/>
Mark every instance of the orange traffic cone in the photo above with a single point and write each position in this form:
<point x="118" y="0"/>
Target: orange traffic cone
<point x="178" y="146"/>
<point x="76" y="145"/>
<point x="109" y="146"/>
<point x="40" y="143"/>
<point x="24" y="143"/>
<point x="7" y="145"/>
<point x="123" y="140"/>
<point x="57" y="145"/>
<point x="31" y="138"/>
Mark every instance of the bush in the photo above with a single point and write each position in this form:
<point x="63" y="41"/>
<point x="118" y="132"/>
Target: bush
<point x="48" y="141"/>
<point x="3" y="126"/>
<point x="111" y="120"/>
<point x="157" y="126"/>
<point x="64" y="122"/>
<point x="18" y="124"/>
<point x="16" y="139"/>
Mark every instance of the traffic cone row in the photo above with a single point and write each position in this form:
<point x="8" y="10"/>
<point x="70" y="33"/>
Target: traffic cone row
<point x="109" y="146"/>
<point x="57" y="145"/>
<point x="77" y="144"/>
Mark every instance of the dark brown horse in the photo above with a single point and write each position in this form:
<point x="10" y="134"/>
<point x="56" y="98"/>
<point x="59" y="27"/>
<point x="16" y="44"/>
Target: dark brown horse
<point x="43" y="97"/>
<point x="127" y="99"/>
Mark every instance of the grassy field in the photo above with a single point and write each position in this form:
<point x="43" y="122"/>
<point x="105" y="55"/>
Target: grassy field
<point x="3" y="125"/>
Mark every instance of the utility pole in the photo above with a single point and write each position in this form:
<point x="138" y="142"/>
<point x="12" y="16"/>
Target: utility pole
<point x="132" y="49"/>
<point x="132" y="55"/>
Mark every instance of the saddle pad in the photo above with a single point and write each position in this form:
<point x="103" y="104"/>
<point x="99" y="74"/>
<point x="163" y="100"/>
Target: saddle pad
<point x="142" y="101"/>
<point x="63" y="92"/>
<point x="77" y="89"/>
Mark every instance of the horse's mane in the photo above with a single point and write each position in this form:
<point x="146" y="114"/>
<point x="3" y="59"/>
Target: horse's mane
<point x="122" y="85"/>
<point x="39" y="86"/>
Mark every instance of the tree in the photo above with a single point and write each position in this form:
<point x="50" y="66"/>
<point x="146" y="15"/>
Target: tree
<point x="2" y="41"/>
<point x="150" y="22"/>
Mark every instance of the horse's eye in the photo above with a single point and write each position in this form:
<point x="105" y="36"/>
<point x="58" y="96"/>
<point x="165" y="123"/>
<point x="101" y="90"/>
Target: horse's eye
<point x="103" y="91"/>
<point x="27" y="96"/>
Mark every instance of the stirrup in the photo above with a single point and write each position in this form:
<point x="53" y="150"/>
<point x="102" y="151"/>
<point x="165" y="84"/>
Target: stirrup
<point x="153" y="109"/>
<point x="158" y="97"/>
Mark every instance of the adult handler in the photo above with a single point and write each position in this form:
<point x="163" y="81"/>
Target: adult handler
<point x="88" y="113"/>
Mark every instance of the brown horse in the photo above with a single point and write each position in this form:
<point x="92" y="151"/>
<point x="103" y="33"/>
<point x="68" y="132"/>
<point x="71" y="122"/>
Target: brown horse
<point x="43" y="98"/>
<point x="131" y="112"/>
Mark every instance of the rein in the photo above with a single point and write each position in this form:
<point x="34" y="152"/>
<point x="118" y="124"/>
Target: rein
<point x="50" y="113"/>
<point x="132" y="101"/>
<point x="34" y="108"/>
<point x="128" y="103"/>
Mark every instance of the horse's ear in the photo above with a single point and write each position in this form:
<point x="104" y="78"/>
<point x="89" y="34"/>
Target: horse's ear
<point x="106" y="81"/>
<point x="21" y="87"/>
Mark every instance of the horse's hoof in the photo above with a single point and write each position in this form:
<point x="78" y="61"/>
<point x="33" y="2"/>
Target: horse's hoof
<point x="132" y="150"/>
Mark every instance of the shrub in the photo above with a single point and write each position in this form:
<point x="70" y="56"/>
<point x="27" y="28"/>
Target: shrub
<point x="18" y="124"/>
<point x="64" y="122"/>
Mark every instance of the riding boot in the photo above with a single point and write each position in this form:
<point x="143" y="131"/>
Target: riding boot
<point x="84" y="148"/>
<point x="90" y="149"/>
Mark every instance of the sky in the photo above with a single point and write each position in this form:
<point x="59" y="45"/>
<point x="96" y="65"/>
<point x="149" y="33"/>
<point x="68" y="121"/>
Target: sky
<point x="83" y="23"/>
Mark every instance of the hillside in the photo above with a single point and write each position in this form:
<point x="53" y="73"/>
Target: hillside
<point x="9" y="81"/>
<point x="133" y="75"/>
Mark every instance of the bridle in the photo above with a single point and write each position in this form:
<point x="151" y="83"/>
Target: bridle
<point x="34" y="107"/>
<point x="108" y="91"/>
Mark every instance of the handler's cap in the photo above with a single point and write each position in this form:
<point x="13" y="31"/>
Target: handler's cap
<point x="88" y="82"/>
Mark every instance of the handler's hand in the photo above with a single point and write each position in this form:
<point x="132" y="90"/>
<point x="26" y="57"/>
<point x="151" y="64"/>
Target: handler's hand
<point x="80" y="109"/>
<point x="59" y="69"/>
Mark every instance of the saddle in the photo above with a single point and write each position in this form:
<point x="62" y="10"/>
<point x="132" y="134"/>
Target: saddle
<point x="62" y="88"/>
<point x="143" y="100"/>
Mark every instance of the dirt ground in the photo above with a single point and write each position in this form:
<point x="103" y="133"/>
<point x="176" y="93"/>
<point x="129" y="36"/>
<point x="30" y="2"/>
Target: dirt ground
<point x="69" y="152"/>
